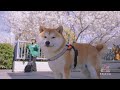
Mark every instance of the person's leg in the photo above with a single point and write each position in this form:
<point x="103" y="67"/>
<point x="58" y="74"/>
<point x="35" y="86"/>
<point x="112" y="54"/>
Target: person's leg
<point x="34" y="64"/>
<point x="28" y="67"/>
<point x="30" y="59"/>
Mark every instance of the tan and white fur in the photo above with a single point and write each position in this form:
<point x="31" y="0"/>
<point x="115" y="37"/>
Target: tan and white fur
<point x="52" y="42"/>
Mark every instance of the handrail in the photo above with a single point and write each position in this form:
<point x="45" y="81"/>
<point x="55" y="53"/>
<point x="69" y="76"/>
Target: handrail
<point x="21" y="52"/>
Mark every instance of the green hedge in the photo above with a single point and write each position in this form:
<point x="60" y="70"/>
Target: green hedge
<point x="6" y="56"/>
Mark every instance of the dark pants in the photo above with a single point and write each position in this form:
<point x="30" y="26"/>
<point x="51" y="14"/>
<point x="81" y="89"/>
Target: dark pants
<point x="33" y="61"/>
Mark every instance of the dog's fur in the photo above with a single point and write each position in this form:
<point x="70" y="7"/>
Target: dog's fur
<point x="89" y="57"/>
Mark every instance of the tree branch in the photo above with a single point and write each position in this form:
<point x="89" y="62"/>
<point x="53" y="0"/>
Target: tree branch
<point x="117" y="24"/>
<point x="110" y="38"/>
<point x="82" y="32"/>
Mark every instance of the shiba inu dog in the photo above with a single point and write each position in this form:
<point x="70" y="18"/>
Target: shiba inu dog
<point x="52" y="42"/>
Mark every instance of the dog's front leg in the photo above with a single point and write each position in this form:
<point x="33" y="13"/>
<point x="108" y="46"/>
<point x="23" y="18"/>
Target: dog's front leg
<point x="66" y="74"/>
<point x="57" y="75"/>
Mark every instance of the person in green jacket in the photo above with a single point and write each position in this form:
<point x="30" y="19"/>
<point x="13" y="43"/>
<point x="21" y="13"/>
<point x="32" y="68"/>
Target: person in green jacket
<point x="34" y="52"/>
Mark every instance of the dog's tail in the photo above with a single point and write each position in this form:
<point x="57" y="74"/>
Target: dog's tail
<point x="101" y="48"/>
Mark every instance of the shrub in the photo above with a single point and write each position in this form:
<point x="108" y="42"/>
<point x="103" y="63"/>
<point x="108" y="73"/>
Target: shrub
<point x="6" y="55"/>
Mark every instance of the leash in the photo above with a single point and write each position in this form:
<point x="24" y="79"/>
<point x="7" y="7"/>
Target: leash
<point x="58" y="55"/>
<point x="67" y="47"/>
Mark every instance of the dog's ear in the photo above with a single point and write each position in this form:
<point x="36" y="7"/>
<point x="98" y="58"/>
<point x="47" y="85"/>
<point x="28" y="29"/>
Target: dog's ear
<point x="41" y="29"/>
<point x="60" y="29"/>
<point x="114" y="45"/>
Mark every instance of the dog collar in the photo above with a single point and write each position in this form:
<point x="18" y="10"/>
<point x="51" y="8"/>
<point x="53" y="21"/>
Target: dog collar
<point x="67" y="47"/>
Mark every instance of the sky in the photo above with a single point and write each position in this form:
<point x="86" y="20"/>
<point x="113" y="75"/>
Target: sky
<point x="3" y="26"/>
<point x="5" y="34"/>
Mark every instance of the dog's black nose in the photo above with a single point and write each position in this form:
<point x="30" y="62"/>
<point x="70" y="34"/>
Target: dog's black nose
<point x="47" y="43"/>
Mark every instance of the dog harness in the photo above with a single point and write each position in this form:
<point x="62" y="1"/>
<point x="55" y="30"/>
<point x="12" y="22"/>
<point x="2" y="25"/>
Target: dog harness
<point x="67" y="47"/>
<point x="76" y="53"/>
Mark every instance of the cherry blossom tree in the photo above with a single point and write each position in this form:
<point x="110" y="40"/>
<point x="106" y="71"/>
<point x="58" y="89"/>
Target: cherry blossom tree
<point x="81" y="26"/>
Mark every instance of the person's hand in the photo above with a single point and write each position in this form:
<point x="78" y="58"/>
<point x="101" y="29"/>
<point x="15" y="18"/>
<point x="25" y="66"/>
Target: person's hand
<point x="35" y="49"/>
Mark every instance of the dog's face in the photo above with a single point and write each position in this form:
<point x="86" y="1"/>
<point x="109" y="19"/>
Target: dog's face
<point x="51" y="38"/>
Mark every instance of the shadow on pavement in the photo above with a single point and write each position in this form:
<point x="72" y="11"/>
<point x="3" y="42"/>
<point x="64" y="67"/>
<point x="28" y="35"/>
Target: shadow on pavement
<point x="8" y="74"/>
<point x="31" y="75"/>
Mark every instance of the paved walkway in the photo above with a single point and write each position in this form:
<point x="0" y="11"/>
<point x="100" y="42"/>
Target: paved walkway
<point x="8" y="74"/>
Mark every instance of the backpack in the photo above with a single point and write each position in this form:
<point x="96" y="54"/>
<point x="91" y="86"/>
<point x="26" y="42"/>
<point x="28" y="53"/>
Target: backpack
<point x="29" y="67"/>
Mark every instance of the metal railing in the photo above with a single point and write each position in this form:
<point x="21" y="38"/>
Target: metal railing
<point x="22" y="53"/>
<point x="109" y="56"/>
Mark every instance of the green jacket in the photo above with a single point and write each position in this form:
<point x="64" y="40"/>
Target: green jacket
<point x="34" y="50"/>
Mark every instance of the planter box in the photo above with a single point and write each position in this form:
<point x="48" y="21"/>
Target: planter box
<point x="18" y="66"/>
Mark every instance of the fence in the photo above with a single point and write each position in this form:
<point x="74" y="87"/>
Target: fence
<point x="21" y="54"/>
<point x="109" y="55"/>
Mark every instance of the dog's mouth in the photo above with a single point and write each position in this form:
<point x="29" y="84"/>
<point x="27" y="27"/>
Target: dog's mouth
<point x="49" y="45"/>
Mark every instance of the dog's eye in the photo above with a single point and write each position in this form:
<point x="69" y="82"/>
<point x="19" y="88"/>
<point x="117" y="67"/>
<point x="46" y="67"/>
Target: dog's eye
<point x="53" y="37"/>
<point x="45" y="37"/>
